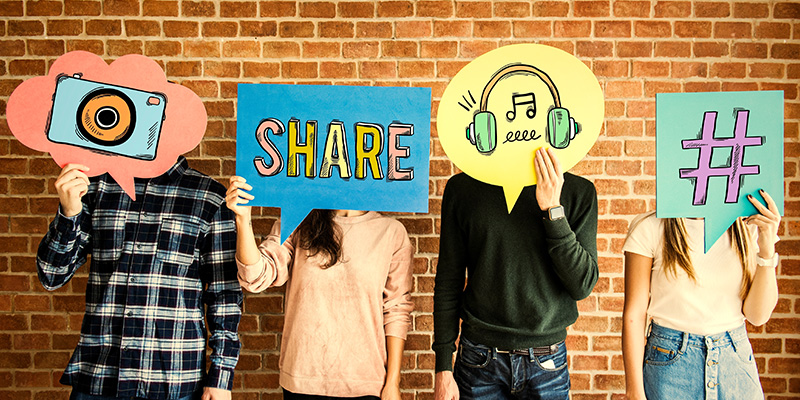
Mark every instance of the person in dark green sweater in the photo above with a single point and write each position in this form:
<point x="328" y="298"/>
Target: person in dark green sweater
<point x="524" y="271"/>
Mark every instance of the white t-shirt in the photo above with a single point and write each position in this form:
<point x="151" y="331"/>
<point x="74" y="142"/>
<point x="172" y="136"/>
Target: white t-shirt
<point x="709" y="305"/>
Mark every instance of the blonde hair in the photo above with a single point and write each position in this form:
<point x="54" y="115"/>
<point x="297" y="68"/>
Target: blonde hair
<point x="676" y="250"/>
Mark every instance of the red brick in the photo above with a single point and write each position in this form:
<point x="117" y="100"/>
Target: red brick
<point x="183" y="68"/>
<point x="241" y="49"/>
<point x="773" y="30"/>
<point x="198" y="9"/>
<point x="693" y="29"/>
<point x="377" y="69"/>
<point x="400" y="48"/>
<point x="281" y="49"/>
<point x="317" y="9"/>
<point x="158" y="48"/>
<point x="360" y="49"/>
<point x="750" y="10"/>
<point x="261" y="70"/>
<point x="104" y="27"/>
<point x="785" y="51"/>
<point x="142" y="28"/>
<point x="673" y="49"/>
<point x="25" y="28"/>
<point x="181" y="29"/>
<point x="296" y="29"/>
<point x="493" y="29"/>
<point x="356" y="9"/>
<point x="592" y="49"/>
<point x="82" y="8"/>
<point x="12" y="48"/>
<point x="237" y="9"/>
<point x="474" y="9"/>
<point x="733" y="30"/>
<point x="158" y="8"/>
<point x="416" y="69"/>
<point x="523" y="29"/>
<point x="64" y="27"/>
<point x="412" y="29"/>
<point x="292" y="69"/>
<point x="14" y="322"/>
<point x="509" y="9"/>
<point x="336" y="29"/>
<point x="11" y="8"/>
<point x="728" y="70"/>
<point x="50" y="359"/>
<point x="588" y="9"/>
<point x="712" y="10"/>
<point x="634" y="49"/>
<point x="652" y="28"/>
<point x="121" y="7"/>
<point x="395" y="9"/>
<point x="550" y="9"/>
<point x="749" y="50"/>
<point x="373" y="29"/>
<point x="278" y="8"/>
<point x="220" y="29"/>
<point x="572" y="28"/>
<point x="452" y="28"/>
<point x="789" y="10"/>
<point x="710" y="49"/>
<point x="673" y="9"/>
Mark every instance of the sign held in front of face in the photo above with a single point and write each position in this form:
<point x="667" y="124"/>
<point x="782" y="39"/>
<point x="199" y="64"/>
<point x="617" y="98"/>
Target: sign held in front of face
<point x="125" y="118"/>
<point x="504" y="105"/>
<point x="712" y="150"/>
<point x="305" y="147"/>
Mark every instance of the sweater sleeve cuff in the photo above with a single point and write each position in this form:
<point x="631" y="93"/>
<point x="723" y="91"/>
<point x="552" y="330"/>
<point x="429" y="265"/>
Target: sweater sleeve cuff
<point x="557" y="229"/>
<point x="444" y="360"/>
<point x="219" y="378"/>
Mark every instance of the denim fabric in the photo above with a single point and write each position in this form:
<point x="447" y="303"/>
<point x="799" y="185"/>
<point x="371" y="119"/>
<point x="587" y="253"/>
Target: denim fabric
<point x="83" y="396"/>
<point x="679" y="365"/>
<point x="483" y="373"/>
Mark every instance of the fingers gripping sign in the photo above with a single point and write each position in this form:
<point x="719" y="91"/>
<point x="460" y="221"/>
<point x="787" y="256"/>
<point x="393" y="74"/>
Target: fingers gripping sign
<point x="71" y="185"/>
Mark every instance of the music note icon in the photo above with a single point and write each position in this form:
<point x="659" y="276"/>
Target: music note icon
<point x="520" y="100"/>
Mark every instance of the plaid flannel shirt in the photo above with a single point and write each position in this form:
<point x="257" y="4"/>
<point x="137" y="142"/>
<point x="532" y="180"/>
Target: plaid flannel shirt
<point x="160" y="268"/>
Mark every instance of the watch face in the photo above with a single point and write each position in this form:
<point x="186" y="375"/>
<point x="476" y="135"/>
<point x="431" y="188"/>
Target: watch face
<point x="556" y="213"/>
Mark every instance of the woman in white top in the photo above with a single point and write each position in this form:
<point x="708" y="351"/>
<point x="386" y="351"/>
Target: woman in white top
<point x="697" y="346"/>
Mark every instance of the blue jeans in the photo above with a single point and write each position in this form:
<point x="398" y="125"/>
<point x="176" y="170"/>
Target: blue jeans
<point x="482" y="372"/>
<point x="680" y="365"/>
<point x="75" y="395"/>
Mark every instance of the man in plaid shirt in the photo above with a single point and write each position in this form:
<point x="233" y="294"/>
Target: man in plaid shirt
<point x="161" y="267"/>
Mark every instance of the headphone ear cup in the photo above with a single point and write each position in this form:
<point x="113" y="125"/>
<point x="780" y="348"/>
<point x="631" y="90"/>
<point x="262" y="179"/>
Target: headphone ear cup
<point x="485" y="132"/>
<point x="560" y="127"/>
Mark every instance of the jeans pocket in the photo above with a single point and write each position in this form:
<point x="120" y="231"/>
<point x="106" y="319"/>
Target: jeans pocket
<point x="661" y="351"/>
<point x="473" y="355"/>
<point x="553" y="362"/>
<point x="744" y="350"/>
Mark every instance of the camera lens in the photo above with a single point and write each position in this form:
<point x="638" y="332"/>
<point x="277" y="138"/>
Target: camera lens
<point x="106" y="118"/>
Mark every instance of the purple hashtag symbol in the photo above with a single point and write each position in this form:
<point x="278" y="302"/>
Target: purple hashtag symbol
<point x="735" y="171"/>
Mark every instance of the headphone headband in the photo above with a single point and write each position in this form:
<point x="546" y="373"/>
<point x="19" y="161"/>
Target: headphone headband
<point x="510" y="69"/>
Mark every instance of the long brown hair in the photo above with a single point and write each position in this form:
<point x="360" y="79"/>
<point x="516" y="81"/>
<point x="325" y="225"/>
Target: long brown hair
<point x="676" y="250"/>
<point x="319" y="234"/>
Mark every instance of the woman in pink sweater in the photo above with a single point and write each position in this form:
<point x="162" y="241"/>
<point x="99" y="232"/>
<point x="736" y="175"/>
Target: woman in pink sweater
<point x="348" y="278"/>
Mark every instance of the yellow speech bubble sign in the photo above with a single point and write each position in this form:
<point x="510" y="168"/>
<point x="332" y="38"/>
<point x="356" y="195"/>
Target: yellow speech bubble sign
<point x="504" y="105"/>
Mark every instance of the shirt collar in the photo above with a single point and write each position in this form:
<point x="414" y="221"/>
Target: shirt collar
<point x="175" y="172"/>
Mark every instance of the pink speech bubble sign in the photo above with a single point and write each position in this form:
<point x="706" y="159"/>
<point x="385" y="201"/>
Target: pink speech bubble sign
<point x="29" y="107"/>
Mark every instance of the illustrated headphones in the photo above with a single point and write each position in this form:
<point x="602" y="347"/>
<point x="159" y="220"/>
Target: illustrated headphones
<point x="482" y="132"/>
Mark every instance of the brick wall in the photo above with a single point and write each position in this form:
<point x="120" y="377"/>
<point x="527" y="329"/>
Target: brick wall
<point x="636" y="49"/>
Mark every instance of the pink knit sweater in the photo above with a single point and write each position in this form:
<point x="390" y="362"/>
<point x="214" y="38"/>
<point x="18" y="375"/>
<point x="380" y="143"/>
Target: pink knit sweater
<point x="337" y="319"/>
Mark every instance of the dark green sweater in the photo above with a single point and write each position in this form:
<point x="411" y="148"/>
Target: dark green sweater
<point x="525" y="274"/>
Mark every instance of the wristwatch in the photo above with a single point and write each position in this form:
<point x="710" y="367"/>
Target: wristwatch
<point x="767" y="262"/>
<point x="554" y="213"/>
